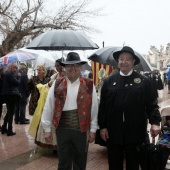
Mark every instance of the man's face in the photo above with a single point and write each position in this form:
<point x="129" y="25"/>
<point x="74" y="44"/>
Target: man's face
<point x="73" y="71"/>
<point x="25" y="70"/>
<point x="126" y="62"/>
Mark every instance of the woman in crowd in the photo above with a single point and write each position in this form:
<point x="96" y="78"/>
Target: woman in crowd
<point x="36" y="129"/>
<point x="10" y="92"/>
<point x="33" y="81"/>
<point x="60" y="70"/>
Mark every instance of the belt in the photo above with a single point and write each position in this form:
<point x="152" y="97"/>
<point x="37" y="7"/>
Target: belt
<point x="69" y="120"/>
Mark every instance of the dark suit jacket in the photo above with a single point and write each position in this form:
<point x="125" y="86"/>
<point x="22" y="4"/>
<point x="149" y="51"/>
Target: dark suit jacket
<point x="23" y="86"/>
<point x="126" y="103"/>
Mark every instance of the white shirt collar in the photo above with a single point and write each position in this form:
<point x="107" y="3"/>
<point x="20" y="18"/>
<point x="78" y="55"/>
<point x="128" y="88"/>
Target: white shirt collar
<point x="130" y="72"/>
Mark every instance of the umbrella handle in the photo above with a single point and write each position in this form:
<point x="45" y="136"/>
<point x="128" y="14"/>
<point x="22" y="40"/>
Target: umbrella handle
<point x="153" y="140"/>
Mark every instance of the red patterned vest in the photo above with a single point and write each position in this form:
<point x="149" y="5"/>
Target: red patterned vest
<point x="84" y="101"/>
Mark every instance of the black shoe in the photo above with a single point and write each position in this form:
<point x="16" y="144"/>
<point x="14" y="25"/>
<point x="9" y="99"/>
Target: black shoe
<point x="3" y="130"/>
<point x="27" y="119"/>
<point x="11" y="133"/>
<point x="55" y="152"/>
<point x="16" y="122"/>
<point x="25" y="122"/>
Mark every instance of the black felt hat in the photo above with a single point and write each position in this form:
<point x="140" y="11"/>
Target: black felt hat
<point x="129" y="50"/>
<point x="73" y="58"/>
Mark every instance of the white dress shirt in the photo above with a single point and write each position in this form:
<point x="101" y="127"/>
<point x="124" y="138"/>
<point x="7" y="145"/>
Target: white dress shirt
<point x="70" y="104"/>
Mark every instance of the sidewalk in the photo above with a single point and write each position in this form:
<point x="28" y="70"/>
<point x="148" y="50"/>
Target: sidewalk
<point x="20" y="153"/>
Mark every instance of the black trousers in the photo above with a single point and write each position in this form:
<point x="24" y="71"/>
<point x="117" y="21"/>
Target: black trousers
<point x="118" y="153"/>
<point x="72" y="147"/>
<point x="11" y="101"/>
<point x="1" y="103"/>
<point x="20" y="110"/>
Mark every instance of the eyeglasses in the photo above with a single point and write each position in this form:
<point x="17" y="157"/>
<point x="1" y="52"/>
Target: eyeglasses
<point x="73" y="65"/>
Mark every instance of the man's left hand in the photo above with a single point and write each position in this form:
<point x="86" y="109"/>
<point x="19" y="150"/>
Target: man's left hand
<point x="92" y="137"/>
<point x="155" y="130"/>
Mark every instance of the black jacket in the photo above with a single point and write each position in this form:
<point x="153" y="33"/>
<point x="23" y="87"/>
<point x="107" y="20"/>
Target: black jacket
<point x="23" y="86"/>
<point x="126" y="104"/>
<point x="10" y="84"/>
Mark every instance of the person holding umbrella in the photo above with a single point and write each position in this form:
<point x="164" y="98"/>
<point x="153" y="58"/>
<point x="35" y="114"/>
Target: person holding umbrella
<point x="72" y="107"/>
<point x="125" y="105"/>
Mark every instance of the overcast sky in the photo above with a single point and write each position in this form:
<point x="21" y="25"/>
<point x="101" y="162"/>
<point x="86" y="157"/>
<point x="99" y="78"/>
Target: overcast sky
<point x="137" y="23"/>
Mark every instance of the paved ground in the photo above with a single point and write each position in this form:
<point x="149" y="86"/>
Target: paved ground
<point x="20" y="153"/>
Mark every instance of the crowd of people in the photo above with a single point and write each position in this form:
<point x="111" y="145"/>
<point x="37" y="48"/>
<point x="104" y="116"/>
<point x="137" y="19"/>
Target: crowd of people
<point x="66" y="111"/>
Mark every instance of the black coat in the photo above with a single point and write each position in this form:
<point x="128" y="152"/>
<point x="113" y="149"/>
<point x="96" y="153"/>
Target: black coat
<point x="126" y="104"/>
<point x="23" y="87"/>
<point x="10" y="84"/>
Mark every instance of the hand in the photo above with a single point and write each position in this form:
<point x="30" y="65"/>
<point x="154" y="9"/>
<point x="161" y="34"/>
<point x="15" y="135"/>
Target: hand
<point x="19" y="74"/>
<point x="155" y="130"/>
<point x="92" y="137"/>
<point x="48" y="137"/>
<point x="104" y="134"/>
<point x="54" y="76"/>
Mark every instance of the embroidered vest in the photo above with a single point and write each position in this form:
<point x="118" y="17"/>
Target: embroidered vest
<point x="84" y="101"/>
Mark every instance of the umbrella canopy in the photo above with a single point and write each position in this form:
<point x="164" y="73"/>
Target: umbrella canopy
<point x="17" y="56"/>
<point x="105" y="56"/>
<point x="46" y="58"/>
<point x="62" y="40"/>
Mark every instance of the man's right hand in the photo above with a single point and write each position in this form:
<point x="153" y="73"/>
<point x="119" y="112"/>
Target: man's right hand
<point x="104" y="134"/>
<point x="48" y="137"/>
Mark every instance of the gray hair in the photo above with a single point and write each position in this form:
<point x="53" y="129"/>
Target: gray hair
<point x="10" y="66"/>
<point x="22" y="65"/>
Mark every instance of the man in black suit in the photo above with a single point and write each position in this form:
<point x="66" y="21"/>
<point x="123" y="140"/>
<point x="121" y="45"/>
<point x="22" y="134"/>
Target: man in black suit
<point x="125" y="105"/>
<point x="21" y="108"/>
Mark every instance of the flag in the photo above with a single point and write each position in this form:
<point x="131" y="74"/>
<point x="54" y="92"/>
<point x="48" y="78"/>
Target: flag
<point x="96" y="68"/>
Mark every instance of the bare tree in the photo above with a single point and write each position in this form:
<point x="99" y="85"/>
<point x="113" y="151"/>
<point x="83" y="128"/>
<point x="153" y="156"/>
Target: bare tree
<point x="21" y="21"/>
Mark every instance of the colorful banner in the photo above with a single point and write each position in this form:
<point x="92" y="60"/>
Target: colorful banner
<point x="96" y="68"/>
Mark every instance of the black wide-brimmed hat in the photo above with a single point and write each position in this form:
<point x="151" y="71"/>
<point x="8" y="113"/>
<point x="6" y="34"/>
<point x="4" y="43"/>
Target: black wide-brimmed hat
<point x="129" y="50"/>
<point x="73" y="58"/>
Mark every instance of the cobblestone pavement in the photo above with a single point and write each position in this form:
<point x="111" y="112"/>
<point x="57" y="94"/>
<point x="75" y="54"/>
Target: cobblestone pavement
<point x="20" y="153"/>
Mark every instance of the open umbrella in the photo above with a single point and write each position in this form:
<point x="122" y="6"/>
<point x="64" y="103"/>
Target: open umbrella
<point x="105" y="56"/>
<point x="46" y="58"/>
<point x="17" y="56"/>
<point x="62" y="40"/>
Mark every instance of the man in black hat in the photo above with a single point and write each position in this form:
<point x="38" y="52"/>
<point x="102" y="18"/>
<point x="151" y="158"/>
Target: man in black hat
<point x="72" y="107"/>
<point x="126" y="103"/>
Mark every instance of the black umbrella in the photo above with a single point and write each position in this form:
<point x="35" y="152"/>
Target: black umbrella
<point x="62" y="40"/>
<point x="153" y="157"/>
<point x="105" y="56"/>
